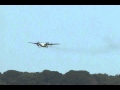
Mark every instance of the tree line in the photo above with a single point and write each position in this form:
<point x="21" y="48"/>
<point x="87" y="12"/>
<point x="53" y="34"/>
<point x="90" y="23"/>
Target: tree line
<point x="47" y="77"/>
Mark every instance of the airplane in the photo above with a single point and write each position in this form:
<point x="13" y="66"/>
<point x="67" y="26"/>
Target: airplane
<point x="44" y="44"/>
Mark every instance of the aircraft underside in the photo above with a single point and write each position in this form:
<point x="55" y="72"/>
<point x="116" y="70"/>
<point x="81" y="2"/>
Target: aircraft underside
<point x="44" y="46"/>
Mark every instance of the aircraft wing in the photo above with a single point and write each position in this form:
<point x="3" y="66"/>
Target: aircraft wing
<point x="32" y="42"/>
<point x="53" y="44"/>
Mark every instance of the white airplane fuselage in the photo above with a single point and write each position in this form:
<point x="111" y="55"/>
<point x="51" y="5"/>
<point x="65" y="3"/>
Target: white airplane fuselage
<point x="43" y="45"/>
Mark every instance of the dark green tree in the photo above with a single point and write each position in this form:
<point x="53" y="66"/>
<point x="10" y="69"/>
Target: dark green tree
<point x="77" y="78"/>
<point x="50" y="77"/>
<point x="47" y="77"/>
<point x="10" y="76"/>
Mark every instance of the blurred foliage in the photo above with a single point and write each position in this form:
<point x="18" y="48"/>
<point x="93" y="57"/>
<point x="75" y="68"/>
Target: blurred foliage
<point x="47" y="77"/>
